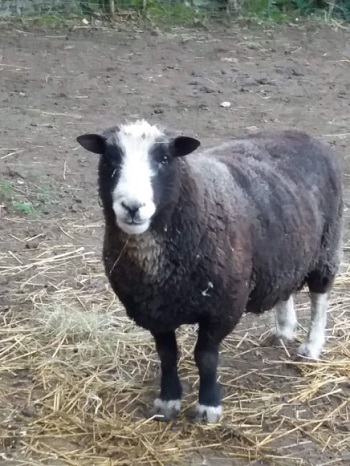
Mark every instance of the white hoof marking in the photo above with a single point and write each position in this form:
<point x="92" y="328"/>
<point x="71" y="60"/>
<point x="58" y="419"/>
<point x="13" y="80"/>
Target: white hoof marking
<point x="210" y="413"/>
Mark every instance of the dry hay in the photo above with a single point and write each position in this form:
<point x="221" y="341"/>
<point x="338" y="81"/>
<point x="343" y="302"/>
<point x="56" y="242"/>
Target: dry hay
<point x="77" y="378"/>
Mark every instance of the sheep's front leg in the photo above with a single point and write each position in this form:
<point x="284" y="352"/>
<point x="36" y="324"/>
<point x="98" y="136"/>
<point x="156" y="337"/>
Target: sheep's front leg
<point x="168" y="404"/>
<point x="207" y="356"/>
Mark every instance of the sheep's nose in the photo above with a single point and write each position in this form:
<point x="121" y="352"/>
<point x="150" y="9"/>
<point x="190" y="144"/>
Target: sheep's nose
<point x="132" y="208"/>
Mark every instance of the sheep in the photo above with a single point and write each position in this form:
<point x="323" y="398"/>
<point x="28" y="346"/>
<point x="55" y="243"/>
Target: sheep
<point x="240" y="227"/>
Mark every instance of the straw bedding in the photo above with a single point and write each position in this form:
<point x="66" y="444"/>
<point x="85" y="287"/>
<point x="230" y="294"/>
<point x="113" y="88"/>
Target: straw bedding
<point x="77" y="377"/>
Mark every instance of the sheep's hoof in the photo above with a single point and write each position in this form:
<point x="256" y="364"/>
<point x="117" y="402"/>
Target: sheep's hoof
<point x="275" y="340"/>
<point x="165" y="410"/>
<point x="208" y="414"/>
<point x="307" y="351"/>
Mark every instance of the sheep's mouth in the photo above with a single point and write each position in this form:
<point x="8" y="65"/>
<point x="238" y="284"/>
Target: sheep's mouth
<point x="134" y="222"/>
<point x="134" y="227"/>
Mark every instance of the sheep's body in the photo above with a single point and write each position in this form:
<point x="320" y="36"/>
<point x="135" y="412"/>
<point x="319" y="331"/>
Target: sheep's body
<point x="246" y="225"/>
<point x="248" y="239"/>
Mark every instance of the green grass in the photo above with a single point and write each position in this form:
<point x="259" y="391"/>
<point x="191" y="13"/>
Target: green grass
<point x="23" y="207"/>
<point x="275" y="10"/>
<point x="44" y="195"/>
<point x="6" y="188"/>
<point x="190" y="12"/>
<point x="11" y="198"/>
<point x="25" y="200"/>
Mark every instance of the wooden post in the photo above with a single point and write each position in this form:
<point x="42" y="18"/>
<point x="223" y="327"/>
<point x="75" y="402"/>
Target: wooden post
<point x="111" y="7"/>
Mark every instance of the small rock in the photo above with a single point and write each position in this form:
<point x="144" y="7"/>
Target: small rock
<point x="296" y="73"/>
<point x="28" y="411"/>
<point x="32" y="245"/>
<point x="264" y="81"/>
<point x="230" y="59"/>
<point x="225" y="104"/>
<point x="206" y="89"/>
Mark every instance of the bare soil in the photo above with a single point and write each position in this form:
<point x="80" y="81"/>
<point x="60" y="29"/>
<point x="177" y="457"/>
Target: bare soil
<point x="55" y="86"/>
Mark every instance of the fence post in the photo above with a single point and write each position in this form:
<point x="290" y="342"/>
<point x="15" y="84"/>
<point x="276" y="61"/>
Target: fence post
<point x="111" y="7"/>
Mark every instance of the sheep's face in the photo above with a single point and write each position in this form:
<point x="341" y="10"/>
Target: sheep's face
<point x="137" y="169"/>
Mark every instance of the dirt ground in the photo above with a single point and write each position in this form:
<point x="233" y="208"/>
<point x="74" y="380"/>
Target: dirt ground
<point x="55" y="86"/>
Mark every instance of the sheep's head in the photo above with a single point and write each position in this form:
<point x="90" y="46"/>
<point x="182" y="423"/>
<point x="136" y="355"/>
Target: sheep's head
<point x="137" y="170"/>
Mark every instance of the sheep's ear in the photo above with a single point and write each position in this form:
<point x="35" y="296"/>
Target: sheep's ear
<point x="183" y="145"/>
<point x="93" y="143"/>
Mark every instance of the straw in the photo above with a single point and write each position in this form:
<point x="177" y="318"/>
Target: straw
<point x="78" y="377"/>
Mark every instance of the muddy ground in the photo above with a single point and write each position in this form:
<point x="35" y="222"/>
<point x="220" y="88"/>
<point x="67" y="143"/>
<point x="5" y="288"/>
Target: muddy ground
<point x="55" y="86"/>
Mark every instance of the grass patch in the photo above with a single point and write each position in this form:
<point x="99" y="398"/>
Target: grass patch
<point x="286" y="10"/>
<point x="6" y="188"/>
<point x="95" y="13"/>
<point x="21" y="198"/>
<point x="23" y="207"/>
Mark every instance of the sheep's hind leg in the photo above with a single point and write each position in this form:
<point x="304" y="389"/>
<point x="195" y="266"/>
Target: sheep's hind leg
<point x="285" y="321"/>
<point x="168" y="404"/>
<point x="315" y="339"/>
<point x="320" y="282"/>
<point x="207" y="356"/>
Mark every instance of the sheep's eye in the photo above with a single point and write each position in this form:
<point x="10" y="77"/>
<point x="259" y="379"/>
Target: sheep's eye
<point x="160" y="155"/>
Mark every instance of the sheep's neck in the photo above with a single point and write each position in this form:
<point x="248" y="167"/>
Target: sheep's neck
<point x="145" y="252"/>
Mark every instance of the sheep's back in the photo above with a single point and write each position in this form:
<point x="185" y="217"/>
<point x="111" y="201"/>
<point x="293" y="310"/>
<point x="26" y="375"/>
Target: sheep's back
<point x="288" y="186"/>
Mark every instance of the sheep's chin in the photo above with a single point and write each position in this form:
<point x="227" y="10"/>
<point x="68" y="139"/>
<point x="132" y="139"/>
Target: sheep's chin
<point x="134" y="228"/>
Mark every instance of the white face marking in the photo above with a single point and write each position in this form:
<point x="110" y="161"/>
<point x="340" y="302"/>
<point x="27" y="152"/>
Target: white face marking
<point x="285" y="319"/>
<point x="313" y="344"/>
<point x="134" y="187"/>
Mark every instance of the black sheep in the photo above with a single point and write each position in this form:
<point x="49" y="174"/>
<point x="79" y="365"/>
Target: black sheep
<point x="202" y="239"/>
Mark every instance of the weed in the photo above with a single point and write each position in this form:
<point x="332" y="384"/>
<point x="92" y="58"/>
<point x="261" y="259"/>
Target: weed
<point x="23" y="207"/>
<point x="44" y="195"/>
<point x="6" y="188"/>
<point x="62" y="14"/>
<point x="25" y="200"/>
<point x="282" y="9"/>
